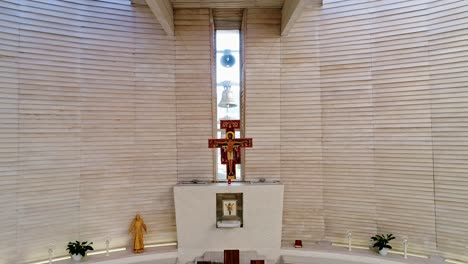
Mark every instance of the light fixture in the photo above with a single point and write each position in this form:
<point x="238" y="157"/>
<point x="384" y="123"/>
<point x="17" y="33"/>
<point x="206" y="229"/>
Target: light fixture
<point x="227" y="60"/>
<point x="105" y="251"/>
<point x="161" y="245"/>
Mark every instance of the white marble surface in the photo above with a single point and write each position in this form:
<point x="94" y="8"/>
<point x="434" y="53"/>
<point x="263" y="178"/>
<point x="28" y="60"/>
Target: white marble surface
<point x="196" y="219"/>
<point x="229" y="224"/>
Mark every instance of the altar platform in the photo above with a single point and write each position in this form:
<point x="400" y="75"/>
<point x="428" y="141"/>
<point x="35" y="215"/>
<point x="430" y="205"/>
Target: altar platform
<point x="159" y="255"/>
<point x="200" y="208"/>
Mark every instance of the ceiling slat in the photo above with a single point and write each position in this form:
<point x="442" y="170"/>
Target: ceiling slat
<point x="227" y="3"/>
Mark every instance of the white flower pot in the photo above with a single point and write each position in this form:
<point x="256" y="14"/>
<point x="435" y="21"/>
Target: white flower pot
<point x="383" y="251"/>
<point x="76" y="257"/>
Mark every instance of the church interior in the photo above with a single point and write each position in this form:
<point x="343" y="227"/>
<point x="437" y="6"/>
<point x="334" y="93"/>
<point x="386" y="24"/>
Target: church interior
<point x="293" y="131"/>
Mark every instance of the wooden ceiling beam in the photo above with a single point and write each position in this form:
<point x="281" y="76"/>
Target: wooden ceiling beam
<point x="162" y="10"/>
<point x="291" y="12"/>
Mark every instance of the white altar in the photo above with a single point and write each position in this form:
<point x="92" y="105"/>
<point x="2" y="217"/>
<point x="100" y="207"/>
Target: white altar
<point x="196" y="218"/>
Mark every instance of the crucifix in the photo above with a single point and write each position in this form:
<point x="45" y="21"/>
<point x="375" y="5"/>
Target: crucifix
<point x="230" y="146"/>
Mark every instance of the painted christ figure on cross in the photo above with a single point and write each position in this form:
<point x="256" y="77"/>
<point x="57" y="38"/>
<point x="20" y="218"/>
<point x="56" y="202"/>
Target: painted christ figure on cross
<point x="230" y="146"/>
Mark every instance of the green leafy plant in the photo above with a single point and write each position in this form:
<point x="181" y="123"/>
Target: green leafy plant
<point x="381" y="241"/>
<point x="77" y="247"/>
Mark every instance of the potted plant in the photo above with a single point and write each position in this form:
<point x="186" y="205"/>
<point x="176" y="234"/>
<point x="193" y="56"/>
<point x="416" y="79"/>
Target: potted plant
<point x="78" y="249"/>
<point x="381" y="241"/>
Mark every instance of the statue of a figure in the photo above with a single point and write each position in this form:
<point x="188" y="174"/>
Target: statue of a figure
<point x="229" y="207"/>
<point x="137" y="227"/>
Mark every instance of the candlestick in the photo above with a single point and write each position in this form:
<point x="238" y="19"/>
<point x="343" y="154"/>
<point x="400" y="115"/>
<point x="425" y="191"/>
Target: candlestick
<point x="405" y="246"/>
<point x="50" y="255"/>
<point x="50" y="250"/>
<point x="350" y="236"/>
<point x="107" y="245"/>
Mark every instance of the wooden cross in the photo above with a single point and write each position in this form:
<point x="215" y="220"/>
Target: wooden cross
<point x="230" y="146"/>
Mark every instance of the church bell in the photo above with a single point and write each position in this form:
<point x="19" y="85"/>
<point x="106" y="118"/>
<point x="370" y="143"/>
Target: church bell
<point x="227" y="98"/>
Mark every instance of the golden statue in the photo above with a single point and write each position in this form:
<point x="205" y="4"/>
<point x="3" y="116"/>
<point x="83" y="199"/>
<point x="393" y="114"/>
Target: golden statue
<point x="229" y="207"/>
<point x="137" y="227"/>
